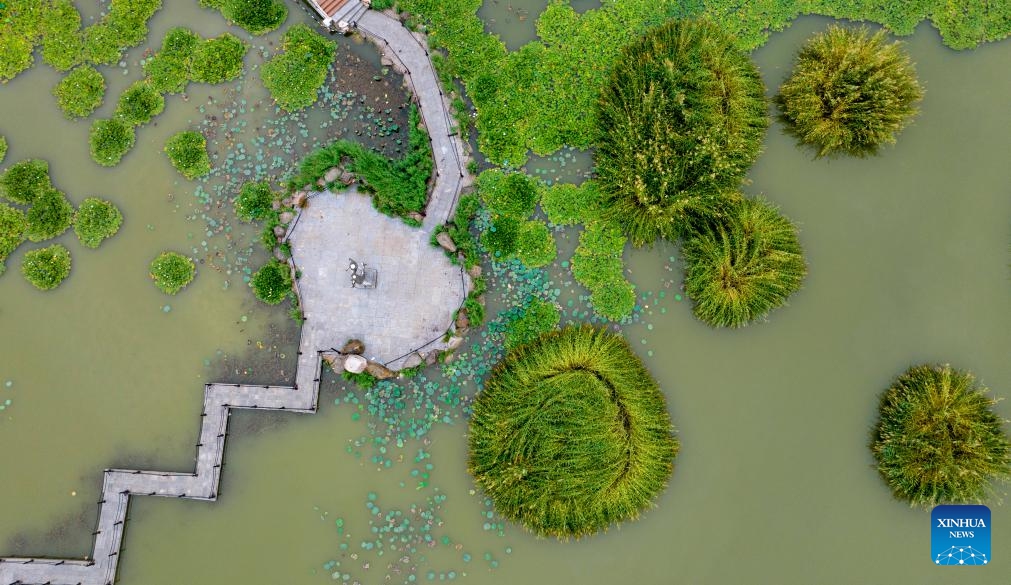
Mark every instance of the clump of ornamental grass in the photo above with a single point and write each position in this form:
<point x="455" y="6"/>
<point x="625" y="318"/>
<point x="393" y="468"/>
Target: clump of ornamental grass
<point x="95" y="221"/>
<point x="679" y="122"/>
<point x="46" y="268"/>
<point x="172" y="271"/>
<point x="571" y="434"/>
<point x="937" y="439"/>
<point x="742" y="265"/>
<point x="850" y="92"/>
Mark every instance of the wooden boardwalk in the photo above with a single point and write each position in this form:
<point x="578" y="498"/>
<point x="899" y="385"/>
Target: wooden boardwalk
<point x="410" y="56"/>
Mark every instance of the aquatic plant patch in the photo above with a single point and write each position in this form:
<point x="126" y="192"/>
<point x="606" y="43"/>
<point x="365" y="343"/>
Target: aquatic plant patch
<point x="13" y="227"/>
<point x="295" y="75"/>
<point x="49" y="216"/>
<point x="110" y="140"/>
<point x="571" y="435"/>
<point x="3" y="148"/>
<point x="169" y="69"/>
<point x="850" y="92"/>
<point x="272" y="282"/>
<point x="61" y="38"/>
<point x="172" y="271"/>
<point x="568" y="204"/>
<point x="255" y="201"/>
<point x="535" y="319"/>
<point x="597" y="265"/>
<point x="23" y="181"/>
<point x="80" y="92"/>
<point x="46" y="268"/>
<point x="139" y="103"/>
<point x="95" y="221"/>
<point x="218" y="60"/>
<point x="256" y="16"/>
<point x="938" y="440"/>
<point x="187" y="151"/>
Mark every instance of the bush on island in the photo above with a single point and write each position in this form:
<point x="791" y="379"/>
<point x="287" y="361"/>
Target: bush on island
<point x="95" y="221"/>
<point x="218" y="60"/>
<point x="188" y="153"/>
<point x="272" y="282"/>
<point x="80" y="92"/>
<point x="13" y="225"/>
<point x="295" y="75"/>
<point x="255" y="201"/>
<point x="679" y="123"/>
<point x="256" y="16"/>
<point x="49" y="216"/>
<point x="571" y="434"/>
<point x="743" y="264"/>
<point x="850" y="92"/>
<point x="47" y="267"/>
<point x="110" y="141"/>
<point x="168" y="71"/>
<point x="938" y="440"/>
<point x="23" y="181"/>
<point x="172" y="271"/>
<point x="139" y="103"/>
<point x="62" y="41"/>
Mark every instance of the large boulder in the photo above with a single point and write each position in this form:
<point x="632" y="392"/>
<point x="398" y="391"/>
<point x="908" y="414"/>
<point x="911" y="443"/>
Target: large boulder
<point x="475" y="271"/>
<point x="414" y="360"/>
<point x="279" y="231"/>
<point x="462" y="321"/>
<point x="354" y="346"/>
<point x="432" y="357"/>
<point x="379" y="371"/>
<point x="286" y="217"/>
<point x="446" y="242"/>
<point x="355" y="364"/>
<point x="299" y="199"/>
<point x="454" y="342"/>
<point x="334" y="360"/>
<point x="332" y="175"/>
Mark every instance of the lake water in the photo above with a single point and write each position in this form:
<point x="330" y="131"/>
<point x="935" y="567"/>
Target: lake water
<point x="908" y="257"/>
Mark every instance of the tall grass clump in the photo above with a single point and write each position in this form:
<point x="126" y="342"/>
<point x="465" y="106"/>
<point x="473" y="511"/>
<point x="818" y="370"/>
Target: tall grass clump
<point x="850" y="92"/>
<point x="937" y="439"/>
<point x="679" y="123"/>
<point x="742" y="265"/>
<point x="571" y="434"/>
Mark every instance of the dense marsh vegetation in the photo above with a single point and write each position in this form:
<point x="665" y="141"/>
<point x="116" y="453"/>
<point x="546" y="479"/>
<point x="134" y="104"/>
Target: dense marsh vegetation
<point x="171" y="272"/>
<point x="295" y="75"/>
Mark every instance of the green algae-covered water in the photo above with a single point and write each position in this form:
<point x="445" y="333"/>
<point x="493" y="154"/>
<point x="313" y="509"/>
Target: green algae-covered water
<point x="908" y="257"/>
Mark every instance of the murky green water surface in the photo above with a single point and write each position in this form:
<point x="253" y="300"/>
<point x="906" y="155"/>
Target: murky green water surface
<point x="908" y="258"/>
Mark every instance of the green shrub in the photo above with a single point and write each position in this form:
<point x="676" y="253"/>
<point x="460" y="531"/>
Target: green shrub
<point x="571" y="434"/>
<point x="743" y="265"/>
<point x="3" y="148"/>
<point x="139" y="103"/>
<point x="535" y="246"/>
<point x="256" y="16"/>
<point x="613" y="299"/>
<point x="459" y="231"/>
<point x="110" y="141"/>
<point x="272" y="282"/>
<point x="295" y="75"/>
<point x="680" y="121"/>
<point x="80" y="92"/>
<point x="49" y="216"/>
<point x="95" y="221"/>
<point x="568" y="204"/>
<point x="13" y="226"/>
<point x="536" y="318"/>
<point x="598" y="266"/>
<point x="23" y="181"/>
<point x="218" y="60"/>
<point x="169" y="70"/>
<point x="850" y="92"/>
<point x="937" y="439"/>
<point x="501" y="239"/>
<point x="46" y="268"/>
<point x="172" y="271"/>
<point x="124" y="26"/>
<point x="254" y="201"/>
<point x="364" y="380"/>
<point x="475" y="310"/>
<point x="511" y="194"/>
<point x="188" y="153"/>
<point x="62" y="42"/>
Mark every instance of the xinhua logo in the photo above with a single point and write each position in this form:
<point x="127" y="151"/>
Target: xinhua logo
<point x="960" y="535"/>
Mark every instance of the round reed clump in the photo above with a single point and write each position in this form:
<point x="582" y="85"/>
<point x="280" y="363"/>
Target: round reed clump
<point x="571" y="434"/>
<point x="850" y="92"/>
<point x="937" y="439"/>
<point x="742" y="265"/>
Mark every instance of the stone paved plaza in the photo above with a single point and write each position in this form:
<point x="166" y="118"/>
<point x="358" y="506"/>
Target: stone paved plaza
<point x="418" y="287"/>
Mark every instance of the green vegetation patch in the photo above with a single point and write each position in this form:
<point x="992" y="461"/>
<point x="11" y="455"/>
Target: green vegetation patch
<point x="460" y="232"/>
<point x="535" y="247"/>
<point x="256" y="16"/>
<point x="13" y="227"/>
<point x="110" y="141"/>
<point x="743" y="265"/>
<point x="598" y="266"/>
<point x="188" y="153"/>
<point x="23" y="181"/>
<point x="96" y="220"/>
<point x="62" y="42"/>
<point x="571" y="434"/>
<point x="49" y="216"/>
<point x="139" y="103"/>
<point x="680" y="121"/>
<point x="399" y="187"/>
<point x="272" y="282"/>
<point x="3" y="148"/>
<point x="46" y="268"/>
<point x="568" y="204"/>
<point x="218" y="60"/>
<point x="168" y="71"/>
<point x="937" y="439"/>
<point x="255" y="201"/>
<point x="535" y="319"/>
<point x="172" y="271"/>
<point x="850" y="92"/>
<point x="295" y="75"/>
<point x="511" y="194"/>
<point x="80" y="92"/>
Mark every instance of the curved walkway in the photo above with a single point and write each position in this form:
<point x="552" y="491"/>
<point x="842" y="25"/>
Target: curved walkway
<point x="407" y="53"/>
